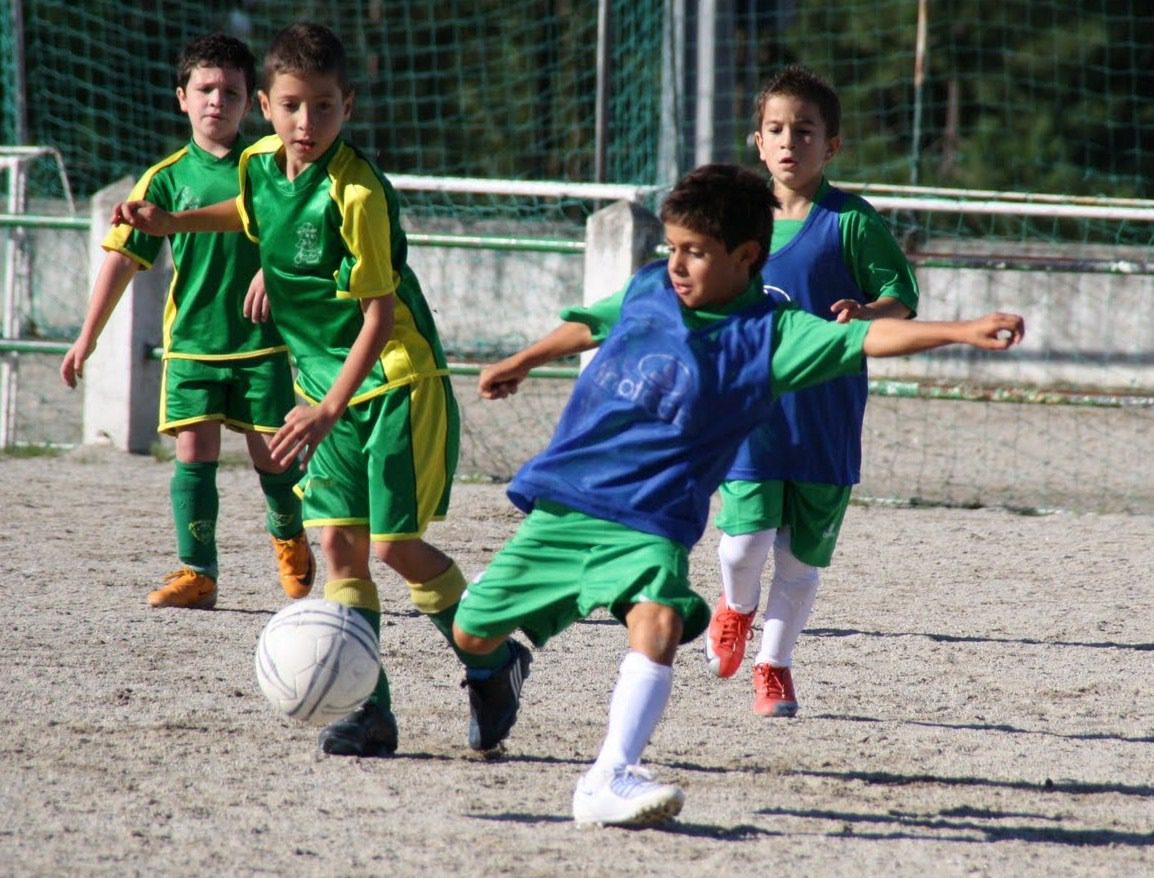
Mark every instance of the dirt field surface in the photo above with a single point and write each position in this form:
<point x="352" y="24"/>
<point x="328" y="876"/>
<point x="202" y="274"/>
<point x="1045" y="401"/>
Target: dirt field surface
<point x="974" y="702"/>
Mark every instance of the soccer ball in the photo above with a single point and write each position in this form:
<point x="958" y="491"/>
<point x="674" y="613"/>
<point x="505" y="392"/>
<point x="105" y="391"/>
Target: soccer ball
<point x="317" y="661"/>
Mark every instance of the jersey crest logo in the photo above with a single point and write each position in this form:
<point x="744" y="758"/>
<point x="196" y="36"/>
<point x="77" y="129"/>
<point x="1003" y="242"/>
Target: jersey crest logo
<point x="187" y="199"/>
<point x="308" y="245"/>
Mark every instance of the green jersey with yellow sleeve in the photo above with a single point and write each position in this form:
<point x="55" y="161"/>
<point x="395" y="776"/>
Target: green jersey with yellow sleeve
<point x="203" y="315"/>
<point x="330" y="238"/>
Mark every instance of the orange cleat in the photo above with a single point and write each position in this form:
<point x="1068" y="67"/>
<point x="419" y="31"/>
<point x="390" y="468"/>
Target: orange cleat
<point x="186" y="589"/>
<point x="298" y="567"/>
<point x="773" y="691"/>
<point x="725" y="640"/>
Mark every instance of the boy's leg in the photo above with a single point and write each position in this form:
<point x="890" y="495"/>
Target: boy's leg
<point x="532" y="583"/>
<point x="742" y="557"/>
<point x="813" y="514"/>
<point x="435" y="588"/>
<point x="191" y="399"/>
<point x="493" y="676"/>
<point x="261" y="394"/>
<point x="412" y="458"/>
<point x="791" y="597"/>
<point x="195" y="507"/>
<point x="750" y="514"/>
<point x="371" y="730"/>
<point x="296" y="565"/>
<point x="616" y="790"/>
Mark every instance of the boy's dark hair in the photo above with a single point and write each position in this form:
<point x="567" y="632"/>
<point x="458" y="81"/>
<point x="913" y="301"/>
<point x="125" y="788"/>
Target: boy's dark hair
<point x="217" y="50"/>
<point x="728" y="203"/>
<point x="306" y="48"/>
<point x="798" y="82"/>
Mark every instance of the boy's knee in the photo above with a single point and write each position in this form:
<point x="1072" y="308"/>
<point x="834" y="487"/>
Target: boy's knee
<point x="473" y="644"/>
<point x="789" y="568"/>
<point x="746" y="550"/>
<point x="654" y="630"/>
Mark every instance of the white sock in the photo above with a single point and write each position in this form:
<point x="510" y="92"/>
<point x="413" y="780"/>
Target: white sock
<point x="791" y="597"/>
<point x="638" y="701"/>
<point x="743" y="559"/>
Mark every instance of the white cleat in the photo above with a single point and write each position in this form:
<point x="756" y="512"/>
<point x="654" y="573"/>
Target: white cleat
<point x="626" y="797"/>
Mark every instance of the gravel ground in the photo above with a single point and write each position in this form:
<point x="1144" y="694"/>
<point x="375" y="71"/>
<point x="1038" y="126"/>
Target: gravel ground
<point x="972" y="684"/>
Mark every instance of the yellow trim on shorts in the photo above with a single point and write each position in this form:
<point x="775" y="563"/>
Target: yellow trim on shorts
<point x="217" y="358"/>
<point x="376" y="391"/>
<point x="400" y="538"/>
<point x="170" y="427"/>
<point x="330" y="522"/>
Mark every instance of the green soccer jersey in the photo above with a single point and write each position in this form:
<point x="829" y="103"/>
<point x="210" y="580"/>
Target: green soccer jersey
<point x="203" y="317"/>
<point x="807" y="349"/>
<point x="873" y="257"/>
<point x="330" y="238"/>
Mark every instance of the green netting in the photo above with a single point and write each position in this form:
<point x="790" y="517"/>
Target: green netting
<point x="1028" y="96"/>
<point x="1039" y="95"/>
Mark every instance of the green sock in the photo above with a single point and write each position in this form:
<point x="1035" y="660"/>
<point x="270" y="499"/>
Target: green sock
<point x="282" y="505"/>
<point x="381" y="695"/>
<point x="443" y="622"/>
<point x="360" y="595"/>
<point x="195" y="505"/>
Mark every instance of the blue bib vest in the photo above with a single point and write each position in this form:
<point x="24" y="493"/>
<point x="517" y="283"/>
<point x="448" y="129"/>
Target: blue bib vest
<point x="657" y="415"/>
<point x="814" y="435"/>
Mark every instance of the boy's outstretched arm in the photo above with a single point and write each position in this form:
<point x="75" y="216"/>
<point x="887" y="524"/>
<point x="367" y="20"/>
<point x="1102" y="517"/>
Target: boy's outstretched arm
<point x="501" y="379"/>
<point x="116" y="272"/>
<point x="152" y="220"/>
<point x="894" y="338"/>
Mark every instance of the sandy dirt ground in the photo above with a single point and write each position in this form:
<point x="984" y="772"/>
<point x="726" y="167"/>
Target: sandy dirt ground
<point x="974" y="702"/>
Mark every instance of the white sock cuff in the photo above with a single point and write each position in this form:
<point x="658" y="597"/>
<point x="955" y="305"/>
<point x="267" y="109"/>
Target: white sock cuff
<point x="637" y="665"/>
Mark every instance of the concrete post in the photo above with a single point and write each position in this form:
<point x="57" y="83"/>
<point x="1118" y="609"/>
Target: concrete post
<point x="619" y="239"/>
<point x="121" y="381"/>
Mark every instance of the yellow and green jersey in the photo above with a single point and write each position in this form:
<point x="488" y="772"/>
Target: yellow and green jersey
<point x="329" y="239"/>
<point x="203" y="317"/>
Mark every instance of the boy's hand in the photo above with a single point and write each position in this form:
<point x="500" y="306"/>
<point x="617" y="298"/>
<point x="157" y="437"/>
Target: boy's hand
<point x="500" y="379"/>
<point x="143" y="215"/>
<point x="996" y="331"/>
<point x="256" y="306"/>
<point x="72" y="366"/>
<point x="845" y="310"/>
<point x="304" y="428"/>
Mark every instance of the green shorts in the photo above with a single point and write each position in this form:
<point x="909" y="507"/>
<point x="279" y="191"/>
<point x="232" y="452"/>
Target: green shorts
<point x="252" y="394"/>
<point x="813" y="513"/>
<point x="388" y="463"/>
<point x="561" y="565"/>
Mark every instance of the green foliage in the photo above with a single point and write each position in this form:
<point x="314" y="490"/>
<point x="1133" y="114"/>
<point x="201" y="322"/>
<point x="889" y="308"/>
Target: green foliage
<point x="25" y="452"/>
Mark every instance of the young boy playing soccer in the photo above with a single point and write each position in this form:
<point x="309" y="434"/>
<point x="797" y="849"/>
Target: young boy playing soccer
<point x="692" y="356"/>
<point x="379" y="434"/>
<point x="219" y="366"/>
<point x="790" y="484"/>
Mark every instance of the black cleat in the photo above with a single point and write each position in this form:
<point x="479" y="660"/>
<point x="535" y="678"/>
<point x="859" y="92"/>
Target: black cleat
<point x="369" y="730"/>
<point x="493" y="702"/>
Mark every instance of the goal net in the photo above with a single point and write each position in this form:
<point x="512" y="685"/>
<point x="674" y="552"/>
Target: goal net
<point x="1006" y="141"/>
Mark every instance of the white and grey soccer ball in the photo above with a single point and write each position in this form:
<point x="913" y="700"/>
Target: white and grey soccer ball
<point x="317" y="661"/>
